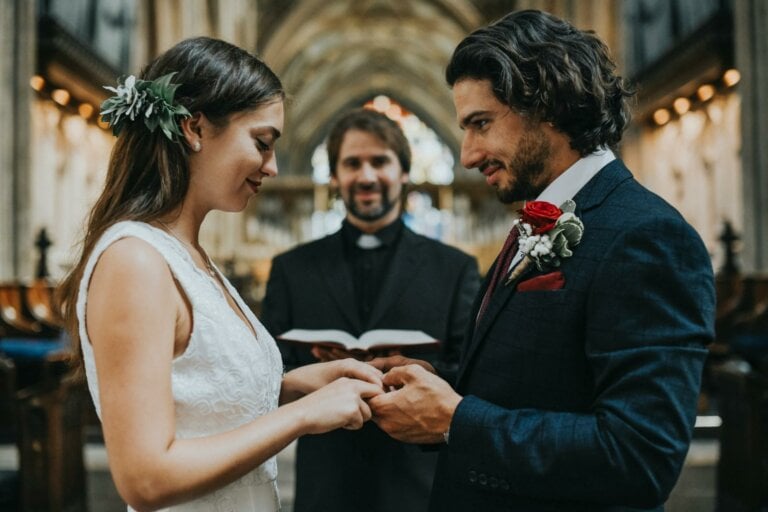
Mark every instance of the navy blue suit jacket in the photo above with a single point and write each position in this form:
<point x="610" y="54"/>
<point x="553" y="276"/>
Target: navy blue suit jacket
<point x="584" y="398"/>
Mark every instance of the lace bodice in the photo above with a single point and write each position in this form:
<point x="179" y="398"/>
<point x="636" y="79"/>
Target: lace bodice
<point x="224" y="379"/>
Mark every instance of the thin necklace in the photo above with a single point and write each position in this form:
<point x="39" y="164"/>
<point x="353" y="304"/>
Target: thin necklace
<point x="201" y="252"/>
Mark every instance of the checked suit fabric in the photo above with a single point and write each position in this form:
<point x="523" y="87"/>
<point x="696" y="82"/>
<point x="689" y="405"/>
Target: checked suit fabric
<point x="508" y="250"/>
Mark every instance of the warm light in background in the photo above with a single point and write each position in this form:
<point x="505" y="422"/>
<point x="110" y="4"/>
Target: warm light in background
<point x="705" y="92"/>
<point x="37" y="82"/>
<point x="662" y="116"/>
<point x="85" y="110"/>
<point x="731" y="77"/>
<point x="394" y="112"/>
<point x="60" y="96"/>
<point x="682" y="105"/>
<point x="381" y="103"/>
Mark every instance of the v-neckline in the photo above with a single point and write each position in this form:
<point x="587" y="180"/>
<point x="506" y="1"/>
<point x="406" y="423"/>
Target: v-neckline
<point x="225" y="291"/>
<point x="218" y="283"/>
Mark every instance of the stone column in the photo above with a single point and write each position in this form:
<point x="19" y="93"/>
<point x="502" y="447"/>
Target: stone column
<point x="17" y="64"/>
<point x="750" y="20"/>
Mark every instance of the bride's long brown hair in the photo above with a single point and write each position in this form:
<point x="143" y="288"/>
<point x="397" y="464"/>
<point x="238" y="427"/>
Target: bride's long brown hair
<point x="148" y="175"/>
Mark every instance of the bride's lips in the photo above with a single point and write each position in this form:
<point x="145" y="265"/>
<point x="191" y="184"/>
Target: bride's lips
<point x="253" y="184"/>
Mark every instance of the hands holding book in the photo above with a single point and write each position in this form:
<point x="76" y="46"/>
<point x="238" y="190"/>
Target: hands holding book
<point x="325" y="354"/>
<point x="333" y="344"/>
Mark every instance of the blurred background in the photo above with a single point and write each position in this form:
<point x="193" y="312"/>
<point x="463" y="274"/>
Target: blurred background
<point x="698" y="139"/>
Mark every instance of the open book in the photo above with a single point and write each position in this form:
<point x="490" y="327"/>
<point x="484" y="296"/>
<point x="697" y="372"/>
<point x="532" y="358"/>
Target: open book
<point x="370" y="340"/>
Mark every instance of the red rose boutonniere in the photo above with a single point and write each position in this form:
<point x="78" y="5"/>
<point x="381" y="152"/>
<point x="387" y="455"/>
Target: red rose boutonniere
<point x="547" y="235"/>
<point x="540" y="215"/>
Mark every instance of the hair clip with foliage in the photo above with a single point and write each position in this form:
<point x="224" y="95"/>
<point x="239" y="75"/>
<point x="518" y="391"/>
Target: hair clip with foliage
<point x="151" y="100"/>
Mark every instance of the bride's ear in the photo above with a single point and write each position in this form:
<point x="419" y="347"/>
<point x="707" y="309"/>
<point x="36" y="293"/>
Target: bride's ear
<point x="192" y="128"/>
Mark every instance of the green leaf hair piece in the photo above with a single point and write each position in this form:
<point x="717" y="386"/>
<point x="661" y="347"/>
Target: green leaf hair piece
<point x="149" y="100"/>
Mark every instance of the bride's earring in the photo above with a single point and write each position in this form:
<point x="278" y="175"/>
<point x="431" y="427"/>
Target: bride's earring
<point x="196" y="147"/>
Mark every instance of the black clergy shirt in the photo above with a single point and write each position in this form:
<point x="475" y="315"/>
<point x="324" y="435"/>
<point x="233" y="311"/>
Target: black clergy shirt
<point x="369" y="266"/>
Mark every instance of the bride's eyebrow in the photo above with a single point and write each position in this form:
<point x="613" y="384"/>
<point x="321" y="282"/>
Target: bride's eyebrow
<point x="271" y="129"/>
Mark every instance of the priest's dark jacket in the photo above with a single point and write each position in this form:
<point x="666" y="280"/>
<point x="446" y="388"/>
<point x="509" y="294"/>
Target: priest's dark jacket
<point x="427" y="286"/>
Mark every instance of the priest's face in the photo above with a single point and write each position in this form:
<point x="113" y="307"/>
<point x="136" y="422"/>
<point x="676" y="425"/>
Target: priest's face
<point x="370" y="180"/>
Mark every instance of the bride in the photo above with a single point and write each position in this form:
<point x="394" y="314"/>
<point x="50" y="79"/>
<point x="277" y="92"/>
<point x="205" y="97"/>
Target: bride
<point x="188" y="384"/>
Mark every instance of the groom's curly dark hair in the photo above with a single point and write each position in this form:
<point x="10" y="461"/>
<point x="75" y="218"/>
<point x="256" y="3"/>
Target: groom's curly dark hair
<point x="547" y="70"/>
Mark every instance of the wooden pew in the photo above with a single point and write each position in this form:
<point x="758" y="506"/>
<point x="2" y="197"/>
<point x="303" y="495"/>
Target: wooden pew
<point x="742" y="470"/>
<point x="38" y="299"/>
<point x="9" y="481"/>
<point x="13" y="316"/>
<point x="50" y="442"/>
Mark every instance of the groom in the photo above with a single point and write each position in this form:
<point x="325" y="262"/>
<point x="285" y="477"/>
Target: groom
<point x="578" y="383"/>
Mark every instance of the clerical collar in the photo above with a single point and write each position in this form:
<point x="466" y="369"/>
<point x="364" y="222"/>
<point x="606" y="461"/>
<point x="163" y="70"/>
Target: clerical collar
<point x="386" y="236"/>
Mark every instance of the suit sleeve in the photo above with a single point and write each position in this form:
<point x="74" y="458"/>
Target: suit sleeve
<point x="649" y="315"/>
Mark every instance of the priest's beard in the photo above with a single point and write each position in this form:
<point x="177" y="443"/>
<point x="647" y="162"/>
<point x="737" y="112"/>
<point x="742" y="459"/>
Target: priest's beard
<point x="366" y="213"/>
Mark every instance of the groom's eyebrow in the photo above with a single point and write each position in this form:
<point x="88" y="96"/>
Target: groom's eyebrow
<point x="470" y="117"/>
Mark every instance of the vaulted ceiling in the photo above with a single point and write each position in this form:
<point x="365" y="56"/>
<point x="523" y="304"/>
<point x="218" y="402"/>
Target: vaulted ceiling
<point x="336" y="54"/>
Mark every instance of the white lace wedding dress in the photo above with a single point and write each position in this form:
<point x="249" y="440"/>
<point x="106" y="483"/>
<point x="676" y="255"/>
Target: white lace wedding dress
<point x="224" y="379"/>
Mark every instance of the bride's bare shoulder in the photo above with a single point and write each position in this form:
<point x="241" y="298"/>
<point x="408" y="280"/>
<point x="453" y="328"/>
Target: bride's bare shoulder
<point x="132" y="262"/>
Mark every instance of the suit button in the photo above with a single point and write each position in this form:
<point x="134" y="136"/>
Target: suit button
<point x="482" y="479"/>
<point x="472" y="476"/>
<point x="493" y="482"/>
<point x="505" y="485"/>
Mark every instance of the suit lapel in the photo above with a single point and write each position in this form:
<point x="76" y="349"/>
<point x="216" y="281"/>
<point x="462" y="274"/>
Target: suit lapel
<point x="589" y="197"/>
<point x="476" y="334"/>
<point x="404" y="265"/>
<point x="338" y="279"/>
<point x="600" y="186"/>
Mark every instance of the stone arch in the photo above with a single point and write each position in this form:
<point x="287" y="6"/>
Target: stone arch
<point x="332" y="56"/>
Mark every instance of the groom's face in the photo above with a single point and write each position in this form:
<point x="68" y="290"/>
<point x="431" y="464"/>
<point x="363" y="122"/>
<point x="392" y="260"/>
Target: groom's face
<point x="512" y="152"/>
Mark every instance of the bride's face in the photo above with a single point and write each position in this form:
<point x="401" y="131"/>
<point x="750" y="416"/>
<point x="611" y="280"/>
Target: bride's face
<point x="233" y="160"/>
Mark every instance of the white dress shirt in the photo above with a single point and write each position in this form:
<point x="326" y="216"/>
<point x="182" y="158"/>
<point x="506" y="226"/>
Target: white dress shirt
<point x="568" y="184"/>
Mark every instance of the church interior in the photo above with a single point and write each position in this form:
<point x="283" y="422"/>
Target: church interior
<point x="697" y="139"/>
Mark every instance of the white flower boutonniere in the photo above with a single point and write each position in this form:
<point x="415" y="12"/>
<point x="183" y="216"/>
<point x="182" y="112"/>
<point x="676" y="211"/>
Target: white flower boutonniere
<point x="547" y="234"/>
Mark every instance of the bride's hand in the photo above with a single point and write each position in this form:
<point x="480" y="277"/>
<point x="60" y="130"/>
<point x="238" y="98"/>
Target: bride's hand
<point x="306" y="379"/>
<point x="340" y="404"/>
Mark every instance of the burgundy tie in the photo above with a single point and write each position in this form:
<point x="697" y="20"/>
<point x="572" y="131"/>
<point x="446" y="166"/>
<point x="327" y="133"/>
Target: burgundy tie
<point x="508" y="250"/>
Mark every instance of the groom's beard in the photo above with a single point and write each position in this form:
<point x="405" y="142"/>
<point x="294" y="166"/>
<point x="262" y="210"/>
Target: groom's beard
<point x="529" y="168"/>
<point x="368" y="213"/>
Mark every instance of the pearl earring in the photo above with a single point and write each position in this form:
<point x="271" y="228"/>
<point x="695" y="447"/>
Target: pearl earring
<point x="196" y="147"/>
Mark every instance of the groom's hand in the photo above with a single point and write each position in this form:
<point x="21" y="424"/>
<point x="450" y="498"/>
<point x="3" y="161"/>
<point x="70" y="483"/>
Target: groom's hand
<point x="394" y="360"/>
<point x="420" y="408"/>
